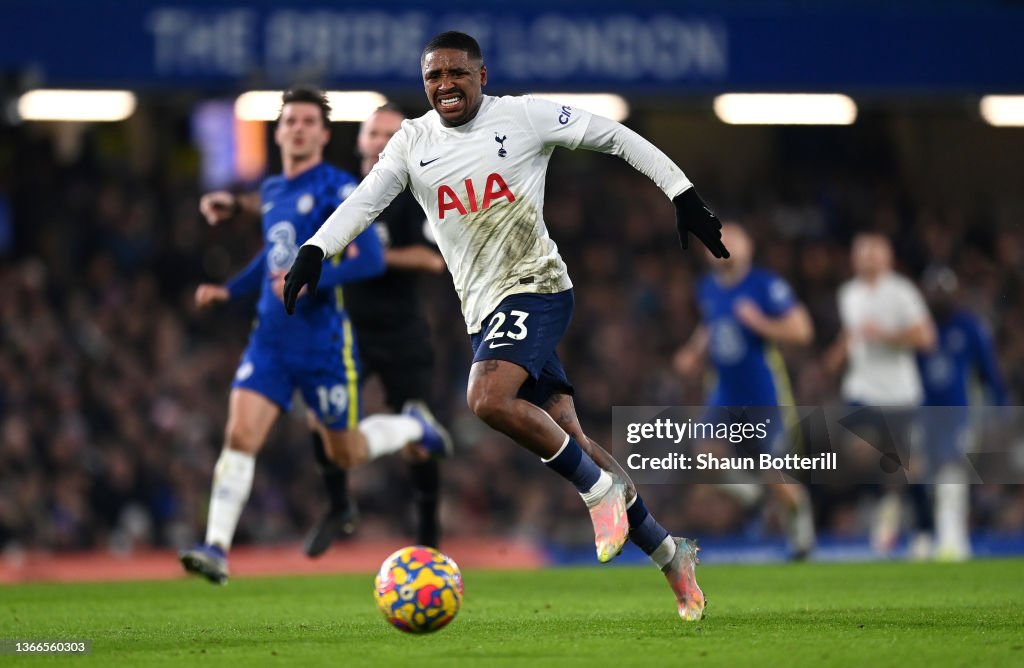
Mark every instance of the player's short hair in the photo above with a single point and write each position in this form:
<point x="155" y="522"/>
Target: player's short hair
<point x="390" y="107"/>
<point x="454" y="40"/>
<point x="872" y="234"/>
<point x="308" y="94"/>
<point x="939" y="279"/>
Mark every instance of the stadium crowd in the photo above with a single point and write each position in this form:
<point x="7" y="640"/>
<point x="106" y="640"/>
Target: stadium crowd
<point x="113" y="389"/>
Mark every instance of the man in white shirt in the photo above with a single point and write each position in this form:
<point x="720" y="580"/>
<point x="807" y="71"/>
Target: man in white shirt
<point x="477" y="165"/>
<point x="885" y="324"/>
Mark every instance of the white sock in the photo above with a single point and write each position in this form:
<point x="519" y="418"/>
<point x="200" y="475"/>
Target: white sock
<point x="746" y="493"/>
<point x="662" y="556"/>
<point x="389" y="433"/>
<point x="232" y="482"/>
<point x="952" y="507"/>
<point x="597" y="490"/>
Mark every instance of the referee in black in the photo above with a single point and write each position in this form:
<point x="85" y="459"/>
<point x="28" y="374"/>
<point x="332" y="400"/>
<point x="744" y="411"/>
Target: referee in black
<point x="393" y="338"/>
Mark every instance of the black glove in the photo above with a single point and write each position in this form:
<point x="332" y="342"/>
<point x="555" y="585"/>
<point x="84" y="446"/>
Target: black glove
<point x="305" y="271"/>
<point x="692" y="215"/>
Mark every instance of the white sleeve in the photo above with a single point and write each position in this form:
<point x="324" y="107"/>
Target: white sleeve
<point x="556" y="124"/>
<point x="607" y="136"/>
<point x="914" y="310"/>
<point x="385" y="181"/>
<point x="845" y="307"/>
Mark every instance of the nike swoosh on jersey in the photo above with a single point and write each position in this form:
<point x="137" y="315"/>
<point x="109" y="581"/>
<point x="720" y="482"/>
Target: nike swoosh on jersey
<point x="498" y="345"/>
<point x="424" y="164"/>
<point x="266" y="207"/>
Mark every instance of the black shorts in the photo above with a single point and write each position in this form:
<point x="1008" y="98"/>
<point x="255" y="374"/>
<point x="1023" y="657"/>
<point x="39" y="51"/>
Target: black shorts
<point x="404" y="361"/>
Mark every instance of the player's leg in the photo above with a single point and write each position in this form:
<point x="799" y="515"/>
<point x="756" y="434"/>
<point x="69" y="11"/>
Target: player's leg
<point x="868" y="434"/>
<point x="905" y="426"/>
<point x="798" y="514"/>
<point x="250" y="417"/>
<point x="351" y="444"/>
<point x="337" y="399"/>
<point x="799" y="518"/>
<point x="519" y="338"/>
<point x="492" y="396"/>
<point x="675" y="557"/>
<point x="342" y="514"/>
<point x="947" y="437"/>
<point x="406" y="384"/>
<point x="952" y="511"/>
<point x="331" y="390"/>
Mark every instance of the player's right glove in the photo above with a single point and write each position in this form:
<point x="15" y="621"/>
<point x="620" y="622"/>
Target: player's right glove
<point x="305" y="271"/>
<point x="693" y="216"/>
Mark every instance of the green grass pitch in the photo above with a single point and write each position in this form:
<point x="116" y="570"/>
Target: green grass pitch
<point x="881" y="614"/>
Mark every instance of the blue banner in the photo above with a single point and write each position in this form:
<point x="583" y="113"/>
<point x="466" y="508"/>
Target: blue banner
<point x="637" y="47"/>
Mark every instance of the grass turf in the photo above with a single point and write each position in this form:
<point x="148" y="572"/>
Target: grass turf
<point x="809" y="614"/>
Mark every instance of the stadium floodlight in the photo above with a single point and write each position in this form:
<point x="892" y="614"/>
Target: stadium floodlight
<point x="352" y="105"/>
<point x="1003" y="111"/>
<point x="785" y="109"/>
<point x="76" y="105"/>
<point x="608" y="105"/>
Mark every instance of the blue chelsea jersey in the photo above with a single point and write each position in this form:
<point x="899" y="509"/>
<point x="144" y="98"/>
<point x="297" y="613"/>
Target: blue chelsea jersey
<point x="747" y="366"/>
<point x="964" y="348"/>
<point x="293" y="209"/>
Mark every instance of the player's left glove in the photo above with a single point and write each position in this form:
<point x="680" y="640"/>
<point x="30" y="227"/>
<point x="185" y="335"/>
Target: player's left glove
<point x="693" y="216"/>
<point x="304" y="271"/>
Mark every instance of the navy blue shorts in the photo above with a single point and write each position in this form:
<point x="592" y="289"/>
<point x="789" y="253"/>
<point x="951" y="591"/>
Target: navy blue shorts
<point x="892" y="430"/>
<point x="946" y="436"/>
<point x="525" y="329"/>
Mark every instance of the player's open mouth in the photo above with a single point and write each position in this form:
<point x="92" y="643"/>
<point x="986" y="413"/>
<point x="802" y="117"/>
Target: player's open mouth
<point x="449" y="102"/>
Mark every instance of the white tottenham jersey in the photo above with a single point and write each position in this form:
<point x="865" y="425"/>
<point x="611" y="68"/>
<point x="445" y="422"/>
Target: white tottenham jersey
<point x="481" y="185"/>
<point x="878" y="374"/>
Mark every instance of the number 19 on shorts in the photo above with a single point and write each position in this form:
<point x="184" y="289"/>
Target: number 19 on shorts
<point x="333" y="400"/>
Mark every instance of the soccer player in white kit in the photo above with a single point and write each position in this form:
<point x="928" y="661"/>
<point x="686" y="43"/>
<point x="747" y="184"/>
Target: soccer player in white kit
<point x="885" y="323"/>
<point x="477" y="165"/>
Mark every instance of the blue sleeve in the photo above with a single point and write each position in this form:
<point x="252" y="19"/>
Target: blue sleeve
<point x="248" y="281"/>
<point x="988" y="367"/>
<point x="363" y="258"/>
<point x="703" y="297"/>
<point x="777" y="297"/>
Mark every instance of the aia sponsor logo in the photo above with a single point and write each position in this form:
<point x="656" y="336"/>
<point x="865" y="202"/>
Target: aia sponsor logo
<point x="494" y="189"/>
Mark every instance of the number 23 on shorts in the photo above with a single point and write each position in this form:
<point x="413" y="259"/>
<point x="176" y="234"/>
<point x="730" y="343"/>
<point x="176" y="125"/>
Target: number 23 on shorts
<point x="515" y="331"/>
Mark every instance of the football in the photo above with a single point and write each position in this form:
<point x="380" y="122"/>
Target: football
<point x="418" y="589"/>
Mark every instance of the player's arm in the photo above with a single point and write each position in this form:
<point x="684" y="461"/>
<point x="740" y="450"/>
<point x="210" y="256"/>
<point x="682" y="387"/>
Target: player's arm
<point x="918" y="336"/>
<point x="917" y="331"/>
<point x="692" y="215"/>
<point x="223" y="205"/>
<point x="415" y="258"/>
<point x="362" y="259"/>
<point x="385" y="181"/>
<point x="775" y="314"/>
<point x="248" y="281"/>
<point x="792" y="327"/>
<point x="574" y="128"/>
<point x="835" y="355"/>
<point x="244" y="283"/>
<point x="687" y="359"/>
<point x="984" y="357"/>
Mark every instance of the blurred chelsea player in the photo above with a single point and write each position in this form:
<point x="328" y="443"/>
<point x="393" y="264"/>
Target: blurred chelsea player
<point x="314" y="351"/>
